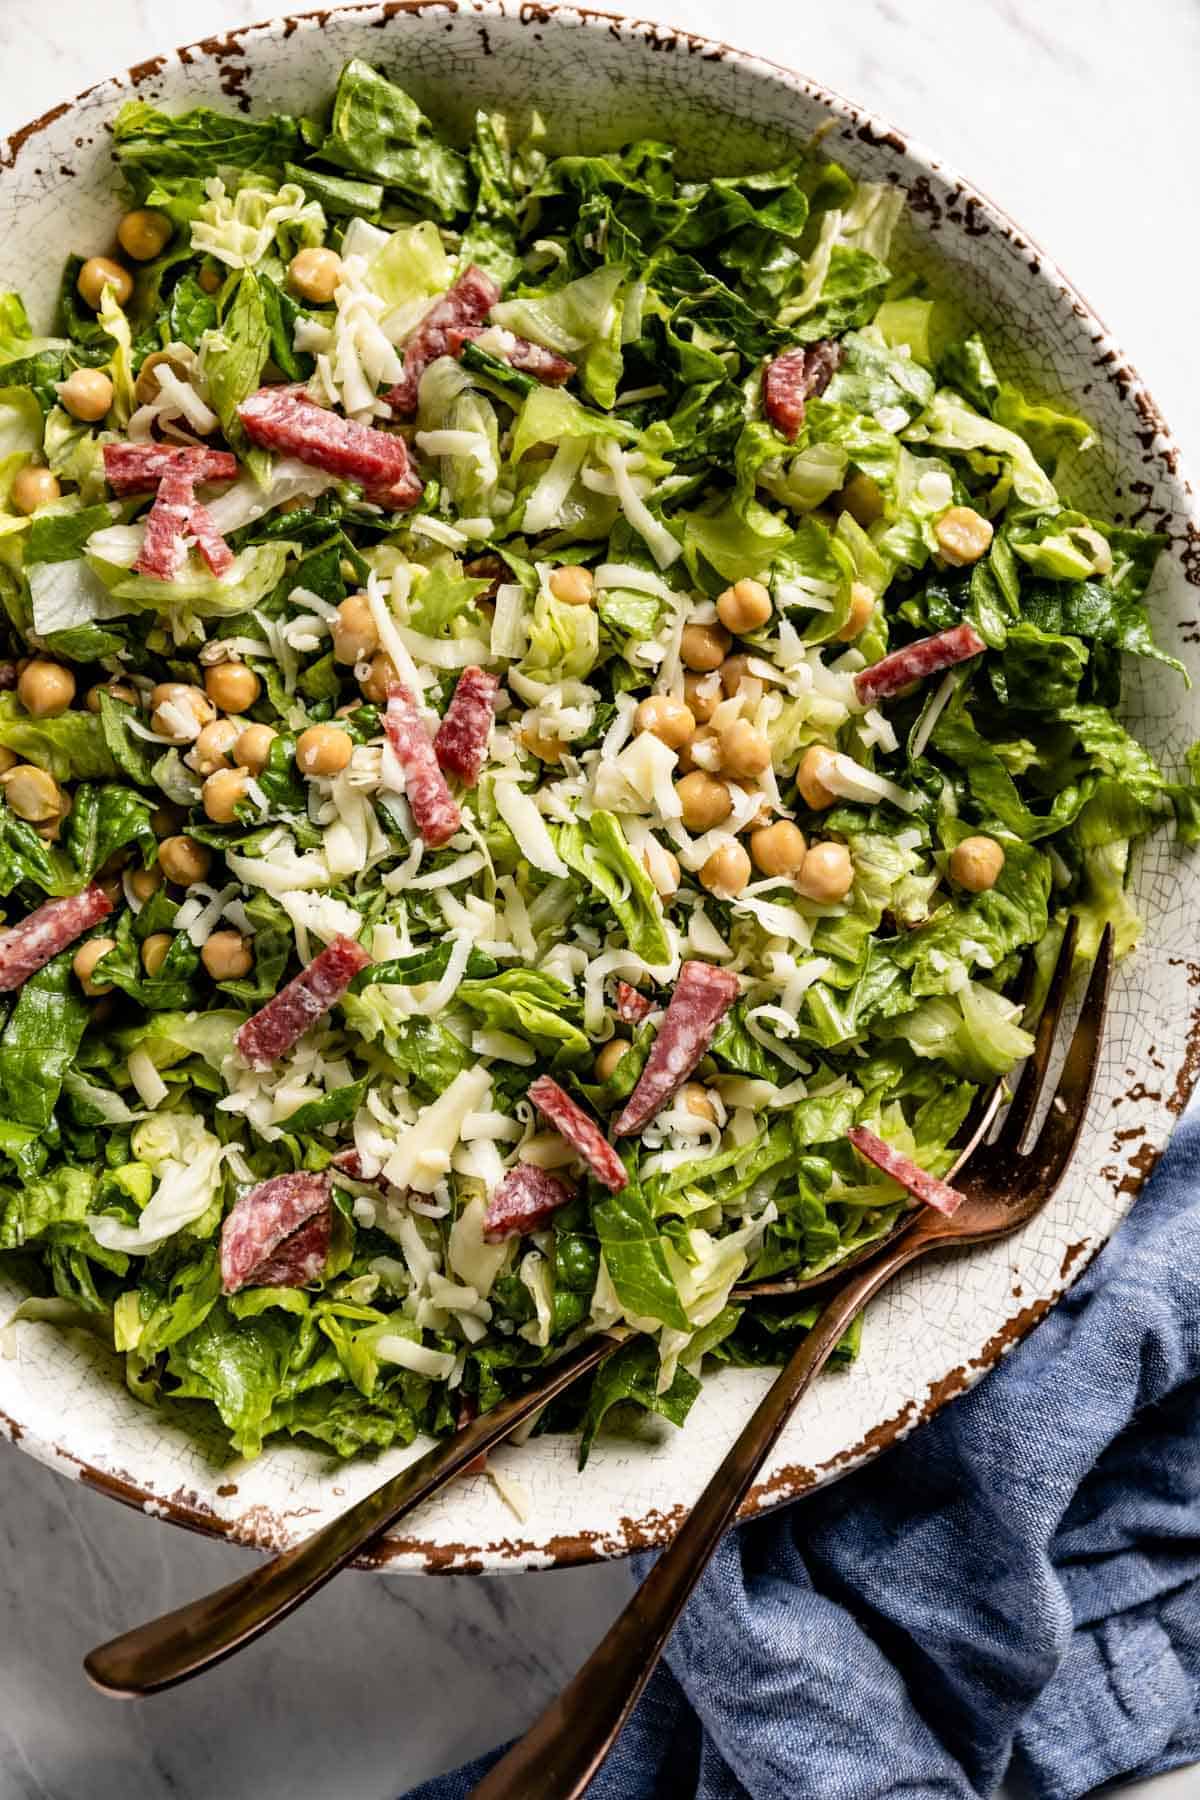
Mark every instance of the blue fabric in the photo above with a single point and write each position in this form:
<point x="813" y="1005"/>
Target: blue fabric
<point x="1019" y="1581"/>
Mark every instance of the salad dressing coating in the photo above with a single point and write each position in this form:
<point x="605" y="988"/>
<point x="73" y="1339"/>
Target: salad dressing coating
<point x="508" y="654"/>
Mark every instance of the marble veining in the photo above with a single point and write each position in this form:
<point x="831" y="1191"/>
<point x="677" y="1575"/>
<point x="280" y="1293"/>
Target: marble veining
<point x="1079" y="121"/>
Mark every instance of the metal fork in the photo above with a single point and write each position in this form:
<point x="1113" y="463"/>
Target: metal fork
<point x="558" y="1757"/>
<point x="196" y="1636"/>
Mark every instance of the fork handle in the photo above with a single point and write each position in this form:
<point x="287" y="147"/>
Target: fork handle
<point x="168" y="1650"/>
<point x="562" y="1751"/>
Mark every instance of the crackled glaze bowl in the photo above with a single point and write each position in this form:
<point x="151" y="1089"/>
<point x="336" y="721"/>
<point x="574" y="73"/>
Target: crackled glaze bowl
<point x="599" y="80"/>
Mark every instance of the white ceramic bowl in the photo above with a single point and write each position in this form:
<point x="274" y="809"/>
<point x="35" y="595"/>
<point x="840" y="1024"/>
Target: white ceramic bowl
<point x="599" y="80"/>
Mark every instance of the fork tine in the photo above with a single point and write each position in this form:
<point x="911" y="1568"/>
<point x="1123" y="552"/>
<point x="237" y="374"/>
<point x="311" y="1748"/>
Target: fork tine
<point x="1024" y="1101"/>
<point x="1056" y="1141"/>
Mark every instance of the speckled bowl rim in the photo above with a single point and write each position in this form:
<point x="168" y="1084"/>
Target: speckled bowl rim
<point x="789" y="1483"/>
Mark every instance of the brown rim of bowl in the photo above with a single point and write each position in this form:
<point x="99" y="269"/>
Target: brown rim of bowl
<point x="263" y="1529"/>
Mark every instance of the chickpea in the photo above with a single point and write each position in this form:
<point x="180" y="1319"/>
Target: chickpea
<point x="87" y="395"/>
<point x="147" y="386"/>
<point x="726" y="872"/>
<point x="154" y="951"/>
<point x="963" y="535"/>
<point x="221" y="794"/>
<point x="120" y="690"/>
<point x="542" y="744"/>
<point x="827" y="874"/>
<point x="745" y="751"/>
<point x="232" y="686"/>
<point x="45" y="688"/>
<point x="704" y="647"/>
<point x="179" y="711"/>
<point x="778" y="849"/>
<point x="355" y="637"/>
<point x="735" y="670"/>
<point x="862" y="606"/>
<point x="99" y="272"/>
<point x="84" y="962"/>
<point x="573" y="585"/>
<point x="609" y="1057"/>
<point x="33" y="487"/>
<point x="323" y="750"/>
<point x="695" y="1098"/>
<point x="862" y="499"/>
<point x="663" y="871"/>
<point x="315" y="275"/>
<point x="227" y="956"/>
<point x="703" y="696"/>
<point x="380" y="677"/>
<point x="976" y="864"/>
<point x="706" y="802"/>
<point x="253" y="747"/>
<point x="744" y="607"/>
<point x="144" y="234"/>
<point x="701" y="751"/>
<point x="143" y="883"/>
<point x="208" y="280"/>
<point x="668" y="719"/>
<point x="214" y="747"/>
<point x="49" y="829"/>
<point x="32" y="794"/>
<point x="183" y="860"/>
<point x="8" y="759"/>
<point x="808" y="778"/>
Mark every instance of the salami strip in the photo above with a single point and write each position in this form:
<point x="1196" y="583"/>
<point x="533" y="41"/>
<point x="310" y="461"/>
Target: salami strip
<point x="525" y="1200"/>
<point x="285" y="419"/>
<point x="546" y="366"/>
<point x="271" y="1032"/>
<point x="462" y="737"/>
<point x="632" y="1007"/>
<point x="928" y="656"/>
<point x="792" y="378"/>
<point x="29" y="946"/>
<point x="901" y="1168"/>
<point x="467" y="303"/>
<point x="209" y="542"/>
<point x="581" y="1132"/>
<point x="434" y="810"/>
<point x="164" y="547"/>
<point x="137" y="468"/>
<point x="703" y="995"/>
<point x="277" y="1235"/>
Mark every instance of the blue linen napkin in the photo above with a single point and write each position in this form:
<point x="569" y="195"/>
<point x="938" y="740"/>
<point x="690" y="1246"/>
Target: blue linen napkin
<point x="1019" y="1581"/>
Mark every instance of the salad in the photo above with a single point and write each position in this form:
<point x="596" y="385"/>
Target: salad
<point x="547" y="700"/>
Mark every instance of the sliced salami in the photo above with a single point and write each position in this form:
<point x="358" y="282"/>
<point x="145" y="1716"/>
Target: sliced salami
<point x="209" y="542"/>
<point x="903" y="1169"/>
<point x="462" y="737"/>
<point x="526" y="1199"/>
<point x="164" y="547"/>
<point x="271" y="1032"/>
<point x="792" y="378"/>
<point x="581" y="1132"/>
<point x="632" y="1007"/>
<point x="928" y="656"/>
<point x="703" y="995"/>
<point x="277" y="1235"/>
<point x="29" y="946"/>
<point x="138" y="468"/>
<point x="434" y="809"/>
<point x="467" y="303"/>
<point x="546" y="366"/>
<point x="285" y="419"/>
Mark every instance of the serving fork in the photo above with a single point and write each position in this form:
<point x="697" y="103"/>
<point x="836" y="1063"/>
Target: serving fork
<point x="557" y="1759"/>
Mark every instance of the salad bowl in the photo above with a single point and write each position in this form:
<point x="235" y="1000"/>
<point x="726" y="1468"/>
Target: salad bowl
<point x="598" y="81"/>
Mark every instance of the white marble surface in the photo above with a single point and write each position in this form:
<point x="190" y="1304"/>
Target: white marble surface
<point x="1078" y="118"/>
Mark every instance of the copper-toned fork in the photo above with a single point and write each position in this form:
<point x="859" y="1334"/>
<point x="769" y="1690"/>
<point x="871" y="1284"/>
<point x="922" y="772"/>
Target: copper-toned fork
<point x="1003" y="1187"/>
<point x="165" y="1651"/>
